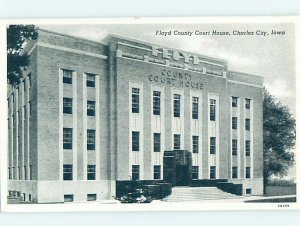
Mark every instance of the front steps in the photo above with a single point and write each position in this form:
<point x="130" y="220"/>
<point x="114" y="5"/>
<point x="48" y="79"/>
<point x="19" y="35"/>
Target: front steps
<point x="189" y="194"/>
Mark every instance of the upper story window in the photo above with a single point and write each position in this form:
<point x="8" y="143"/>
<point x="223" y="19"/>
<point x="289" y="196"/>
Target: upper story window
<point x="67" y="105"/>
<point x="247" y="124"/>
<point x="195" y="140"/>
<point x="176" y="101"/>
<point x="156" y="139"/>
<point x="91" y="139"/>
<point x="195" y="108"/>
<point x="247" y="103"/>
<point x="248" y="172"/>
<point x="67" y="138"/>
<point x="91" y="107"/>
<point x="135" y="172"/>
<point x="212" y="172"/>
<point x="212" y="110"/>
<point x="234" y="172"/>
<point x="135" y="96"/>
<point x="234" y="147"/>
<point x="156" y="103"/>
<point x="234" y="102"/>
<point x="234" y="123"/>
<point x="176" y="141"/>
<point x="135" y="141"/>
<point x="90" y="80"/>
<point x="195" y="172"/>
<point x="212" y="145"/>
<point x="67" y="76"/>
<point x="248" y="146"/>
<point x="157" y="170"/>
<point x="91" y="172"/>
<point x="68" y="172"/>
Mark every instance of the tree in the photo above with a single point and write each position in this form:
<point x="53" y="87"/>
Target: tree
<point x="279" y="128"/>
<point x="17" y="36"/>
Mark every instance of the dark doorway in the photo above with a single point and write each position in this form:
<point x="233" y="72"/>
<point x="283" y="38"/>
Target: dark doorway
<point x="178" y="167"/>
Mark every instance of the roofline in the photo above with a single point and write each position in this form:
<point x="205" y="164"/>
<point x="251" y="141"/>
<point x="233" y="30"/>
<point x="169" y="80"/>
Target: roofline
<point x="71" y="36"/>
<point x="161" y="46"/>
<point x="243" y="73"/>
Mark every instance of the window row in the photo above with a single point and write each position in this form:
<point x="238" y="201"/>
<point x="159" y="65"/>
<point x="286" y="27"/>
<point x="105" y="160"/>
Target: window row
<point x="234" y="102"/>
<point x="68" y="172"/>
<point x="234" y="123"/>
<point x="135" y="103"/>
<point x="26" y="175"/>
<point x="235" y="172"/>
<point x="89" y="197"/>
<point x="68" y="106"/>
<point x="68" y="138"/>
<point x="235" y="147"/>
<point x="68" y="78"/>
<point x="135" y="172"/>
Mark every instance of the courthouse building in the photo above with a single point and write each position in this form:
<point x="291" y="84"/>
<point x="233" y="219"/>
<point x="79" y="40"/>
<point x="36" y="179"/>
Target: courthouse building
<point x="88" y="114"/>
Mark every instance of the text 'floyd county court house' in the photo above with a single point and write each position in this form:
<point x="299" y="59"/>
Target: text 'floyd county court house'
<point x="89" y="114"/>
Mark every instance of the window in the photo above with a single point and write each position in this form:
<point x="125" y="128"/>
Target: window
<point x="135" y="96"/>
<point x="29" y="80"/>
<point x="176" y="106"/>
<point x="234" y="102"/>
<point x="195" y="172"/>
<point x="91" y="172"/>
<point x="67" y="105"/>
<point x="30" y="108"/>
<point x="25" y="173"/>
<point x="212" y="110"/>
<point x="67" y="76"/>
<point x="195" y="144"/>
<point x="67" y="138"/>
<point x="24" y="85"/>
<point x="212" y="172"/>
<point x="156" y="103"/>
<point x="248" y="191"/>
<point x="135" y="141"/>
<point x="91" y="139"/>
<point x="176" y="141"/>
<point x="247" y="124"/>
<point x="24" y="197"/>
<point x="234" y="147"/>
<point x="19" y="172"/>
<point x="234" y="172"/>
<point x="234" y="123"/>
<point x="68" y="172"/>
<point x="90" y="80"/>
<point x="68" y="198"/>
<point x="156" y="175"/>
<point x="9" y="173"/>
<point x="248" y="173"/>
<point x="91" y="197"/>
<point x="29" y="198"/>
<point x="91" y="107"/>
<point x="247" y="103"/>
<point x="135" y="173"/>
<point x="247" y="144"/>
<point x="212" y="145"/>
<point x="195" y="108"/>
<point x="30" y="172"/>
<point x="156" y="139"/>
<point x="24" y="112"/>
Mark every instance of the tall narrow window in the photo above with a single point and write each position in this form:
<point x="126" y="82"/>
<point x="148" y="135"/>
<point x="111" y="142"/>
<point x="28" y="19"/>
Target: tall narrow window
<point x="135" y="173"/>
<point x="91" y="172"/>
<point x="234" y="172"/>
<point x="68" y="172"/>
<point x="156" y="139"/>
<point x="212" y="110"/>
<point x="234" y="123"/>
<point x="212" y="172"/>
<point x="67" y="105"/>
<point x="248" y="172"/>
<point x="234" y="147"/>
<point x="176" y="141"/>
<point x="195" y="108"/>
<point x="67" y="76"/>
<point x="195" y="140"/>
<point x="30" y="108"/>
<point x="67" y="138"/>
<point x="212" y="145"/>
<point x="24" y="112"/>
<point x="90" y="80"/>
<point x="247" y="144"/>
<point x="157" y="169"/>
<point x="234" y="102"/>
<point x="91" y="139"/>
<point x="156" y="103"/>
<point x="30" y="172"/>
<point x="247" y="103"/>
<point x="9" y="173"/>
<point x="29" y="80"/>
<point x="135" y="96"/>
<point x="247" y="124"/>
<point x="91" y="106"/>
<point x="176" y="106"/>
<point x="195" y="172"/>
<point x="135" y="141"/>
<point x="25" y="173"/>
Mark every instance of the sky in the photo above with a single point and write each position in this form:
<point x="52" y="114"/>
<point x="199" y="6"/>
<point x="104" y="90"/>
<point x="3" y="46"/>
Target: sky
<point x="271" y="57"/>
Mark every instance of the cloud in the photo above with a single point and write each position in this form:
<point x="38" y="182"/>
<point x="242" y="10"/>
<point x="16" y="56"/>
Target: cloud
<point x="279" y="88"/>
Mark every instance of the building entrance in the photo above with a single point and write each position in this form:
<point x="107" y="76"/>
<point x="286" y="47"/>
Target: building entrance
<point x="178" y="167"/>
